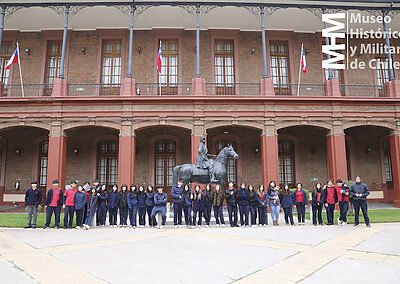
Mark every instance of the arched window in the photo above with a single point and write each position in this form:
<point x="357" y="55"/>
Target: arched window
<point x="286" y="162"/>
<point x="165" y="161"/>
<point x="107" y="162"/>
<point x="232" y="164"/>
<point x="43" y="161"/>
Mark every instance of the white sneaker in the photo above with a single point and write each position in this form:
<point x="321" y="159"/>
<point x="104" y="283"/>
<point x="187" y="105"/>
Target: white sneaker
<point x="77" y="227"/>
<point x="254" y="226"/>
<point x="176" y="227"/>
<point x="339" y="222"/>
<point x="265" y="225"/>
<point x="207" y="226"/>
<point x="344" y="223"/>
<point x="179" y="226"/>
<point x="162" y="227"/>
<point x="217" y="225"/>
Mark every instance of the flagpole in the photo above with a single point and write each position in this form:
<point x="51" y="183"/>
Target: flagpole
<point x="20" y="71"/>
<point x="298" y="82"/>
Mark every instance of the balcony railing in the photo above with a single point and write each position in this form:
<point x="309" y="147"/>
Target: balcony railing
<point x="363" y="90"/>
<point x="304" y="90"/>
<point x="238" y="89"/>
<point x="30" y="90"/>
<point x="155" y="89"/>
<point x="88" y="90"/>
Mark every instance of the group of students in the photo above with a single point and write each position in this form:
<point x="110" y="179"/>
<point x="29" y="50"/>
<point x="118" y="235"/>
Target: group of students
<point x="248" y="203"/>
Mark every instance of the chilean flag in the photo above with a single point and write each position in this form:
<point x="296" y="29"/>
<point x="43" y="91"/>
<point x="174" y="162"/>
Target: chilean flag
<point x="14" y="59"/>
<point x="303" y="60"/>
<point x="159" y="59"/>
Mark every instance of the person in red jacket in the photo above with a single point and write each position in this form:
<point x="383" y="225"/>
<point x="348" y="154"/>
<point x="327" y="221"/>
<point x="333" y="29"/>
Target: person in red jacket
<point x="330" y="199"/>
<point x="343" y="193"/>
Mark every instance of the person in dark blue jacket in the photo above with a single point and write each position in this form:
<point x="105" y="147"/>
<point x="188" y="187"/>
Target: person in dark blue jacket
<point x="187" y="205"/>
<point x="93" y="203"/>
<point x="132" y="205"/>
<point x="150" y="204"/>
<point x="160" y="206"/>
<point x="287" y="204"/>
<point x="243" y="202"/>
<point x="53" y="203"/>
<point x="102" y="208"/>
<point x="198" y="205"/>
<point x="123" y="206"/>
<point x="208" y="204"/>
<point x="253" y="208"/>
<point x="262" y="200"/>
<point x="113" y="202"/>
<point x="231" y="199"/>
<point x="80" y="204"/>
<point x="33" y="197"/>
<point x="177" y="198"/>
<point x="359" y="191"/>
<point x="142" y="197"/>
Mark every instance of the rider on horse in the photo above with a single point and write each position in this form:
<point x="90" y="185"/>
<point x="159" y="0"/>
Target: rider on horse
<point x="203" y="162"/>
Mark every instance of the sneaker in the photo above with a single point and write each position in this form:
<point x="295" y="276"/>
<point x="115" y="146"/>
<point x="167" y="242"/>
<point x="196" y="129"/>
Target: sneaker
<point x="57" y="227"/>
<point x="45" y="227"/>
<point x="265" y="225"/>
<point x="77" y="227"/>
<point x="175" y="226"/>
<point x="223" y="225"/>
<point x="217" y="225"/>
<point x="207" y="226"/>
<point x="34" y="227"/>
<point x="369" y="225"/>
<point x="254" y="226"/>
<point x="355" y="225"/>
<point x="162" y="227"/>
<point x="339" y="221"/>
<point x="344" y="223"/>
<point x="28" y="227"/>
<point x="179" y="226"/>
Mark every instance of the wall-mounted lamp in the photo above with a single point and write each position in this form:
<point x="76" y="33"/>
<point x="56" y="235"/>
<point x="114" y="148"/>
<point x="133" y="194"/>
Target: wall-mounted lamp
<point x="368" y="149"/>
<point x="18" y="151"/>
<point x="139" y="49"/>
<point x="28" y="51"/>
<point x="252" y="50"/>
<point x="83" y="50"/>
<point x="138" y="91"/>
<point x="313" y="149"/>
<point x="76" y="151"/>
<point x="307" y="51"/>
<point x="256" y="150"/>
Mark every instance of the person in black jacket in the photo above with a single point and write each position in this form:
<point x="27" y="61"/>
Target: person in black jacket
<point x="123" y="206"/>
<point x="288" y="201"/>
<point x="113" y="203"/>
<point x="53" y="203"/>
<point x="207" y="204"/>
<point x="93" y="202"/>
<point x="253" y="205"/>
<point x="102" y="207"/>
<point x="218" y="204"/>
<point x="33" y="196"/>
<point x="243" y="202"/>
<point x="359" y="191"/>
<point x="317" y="204"/>
<point x="231" y="199"/>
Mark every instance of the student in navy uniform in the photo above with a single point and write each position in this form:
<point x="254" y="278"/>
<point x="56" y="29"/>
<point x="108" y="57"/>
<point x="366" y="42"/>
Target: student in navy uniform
<point x="113" y="202"/>
<point x="288" y="200"/>
<point x="86" y="189"/>
<point x="102" y="208"/>
<point x="177" y="198"/>
<point x="231" y="199"/>
<point x="253" y="208"/>
<point x="243" y="202"/>
<point x="343" y="193"/>
<point x="160" y="206"/>
<point x="198" y="205"/>
<point x="80" y="204"/>
<point x="142" y="206"/>
<point x="93" y="202"/>
<point x="301" y="203"/>
<point x="359" y="191"/>
<point x="132" y="205"/>
<point x="207" y="204"/>
<point x="187" y="204"/>
<point x="262" y="200"/>
<point x="33" y="197"/>
<point x="218" y="198"/>
<point x="123" y="206"/>
<point x="330" y="200"/>
<point x="150" y="204"/>
<point x="317" y="204"/>
<point x="53" y="204"/>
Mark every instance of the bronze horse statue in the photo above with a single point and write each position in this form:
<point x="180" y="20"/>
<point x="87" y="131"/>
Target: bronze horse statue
<point x="190" y="173"/>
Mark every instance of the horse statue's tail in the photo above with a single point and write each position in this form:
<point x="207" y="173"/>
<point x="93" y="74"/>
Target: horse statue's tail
<point x="176" y="174"/>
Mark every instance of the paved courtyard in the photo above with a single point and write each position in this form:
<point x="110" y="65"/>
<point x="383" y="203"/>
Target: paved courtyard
<point x="270" y="254"/>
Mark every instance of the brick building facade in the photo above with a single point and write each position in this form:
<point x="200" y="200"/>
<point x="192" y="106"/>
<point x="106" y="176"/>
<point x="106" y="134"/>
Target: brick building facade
<point x="104" y="120"/>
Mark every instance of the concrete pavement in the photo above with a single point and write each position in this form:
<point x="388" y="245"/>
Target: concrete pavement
<point x="284" y="254"/>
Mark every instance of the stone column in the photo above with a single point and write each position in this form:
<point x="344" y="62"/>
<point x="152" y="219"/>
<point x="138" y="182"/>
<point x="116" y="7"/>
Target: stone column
<point x="57" y="155"/>
<point x="336" y="149"/>
<point x="269" y="155"/>
<point x="126" y="154"/>
<point x="394" y="141"/>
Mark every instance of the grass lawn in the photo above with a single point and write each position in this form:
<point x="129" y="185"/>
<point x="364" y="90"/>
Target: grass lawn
<point x="375" y="216"/>
<point x="19" y="220"/>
